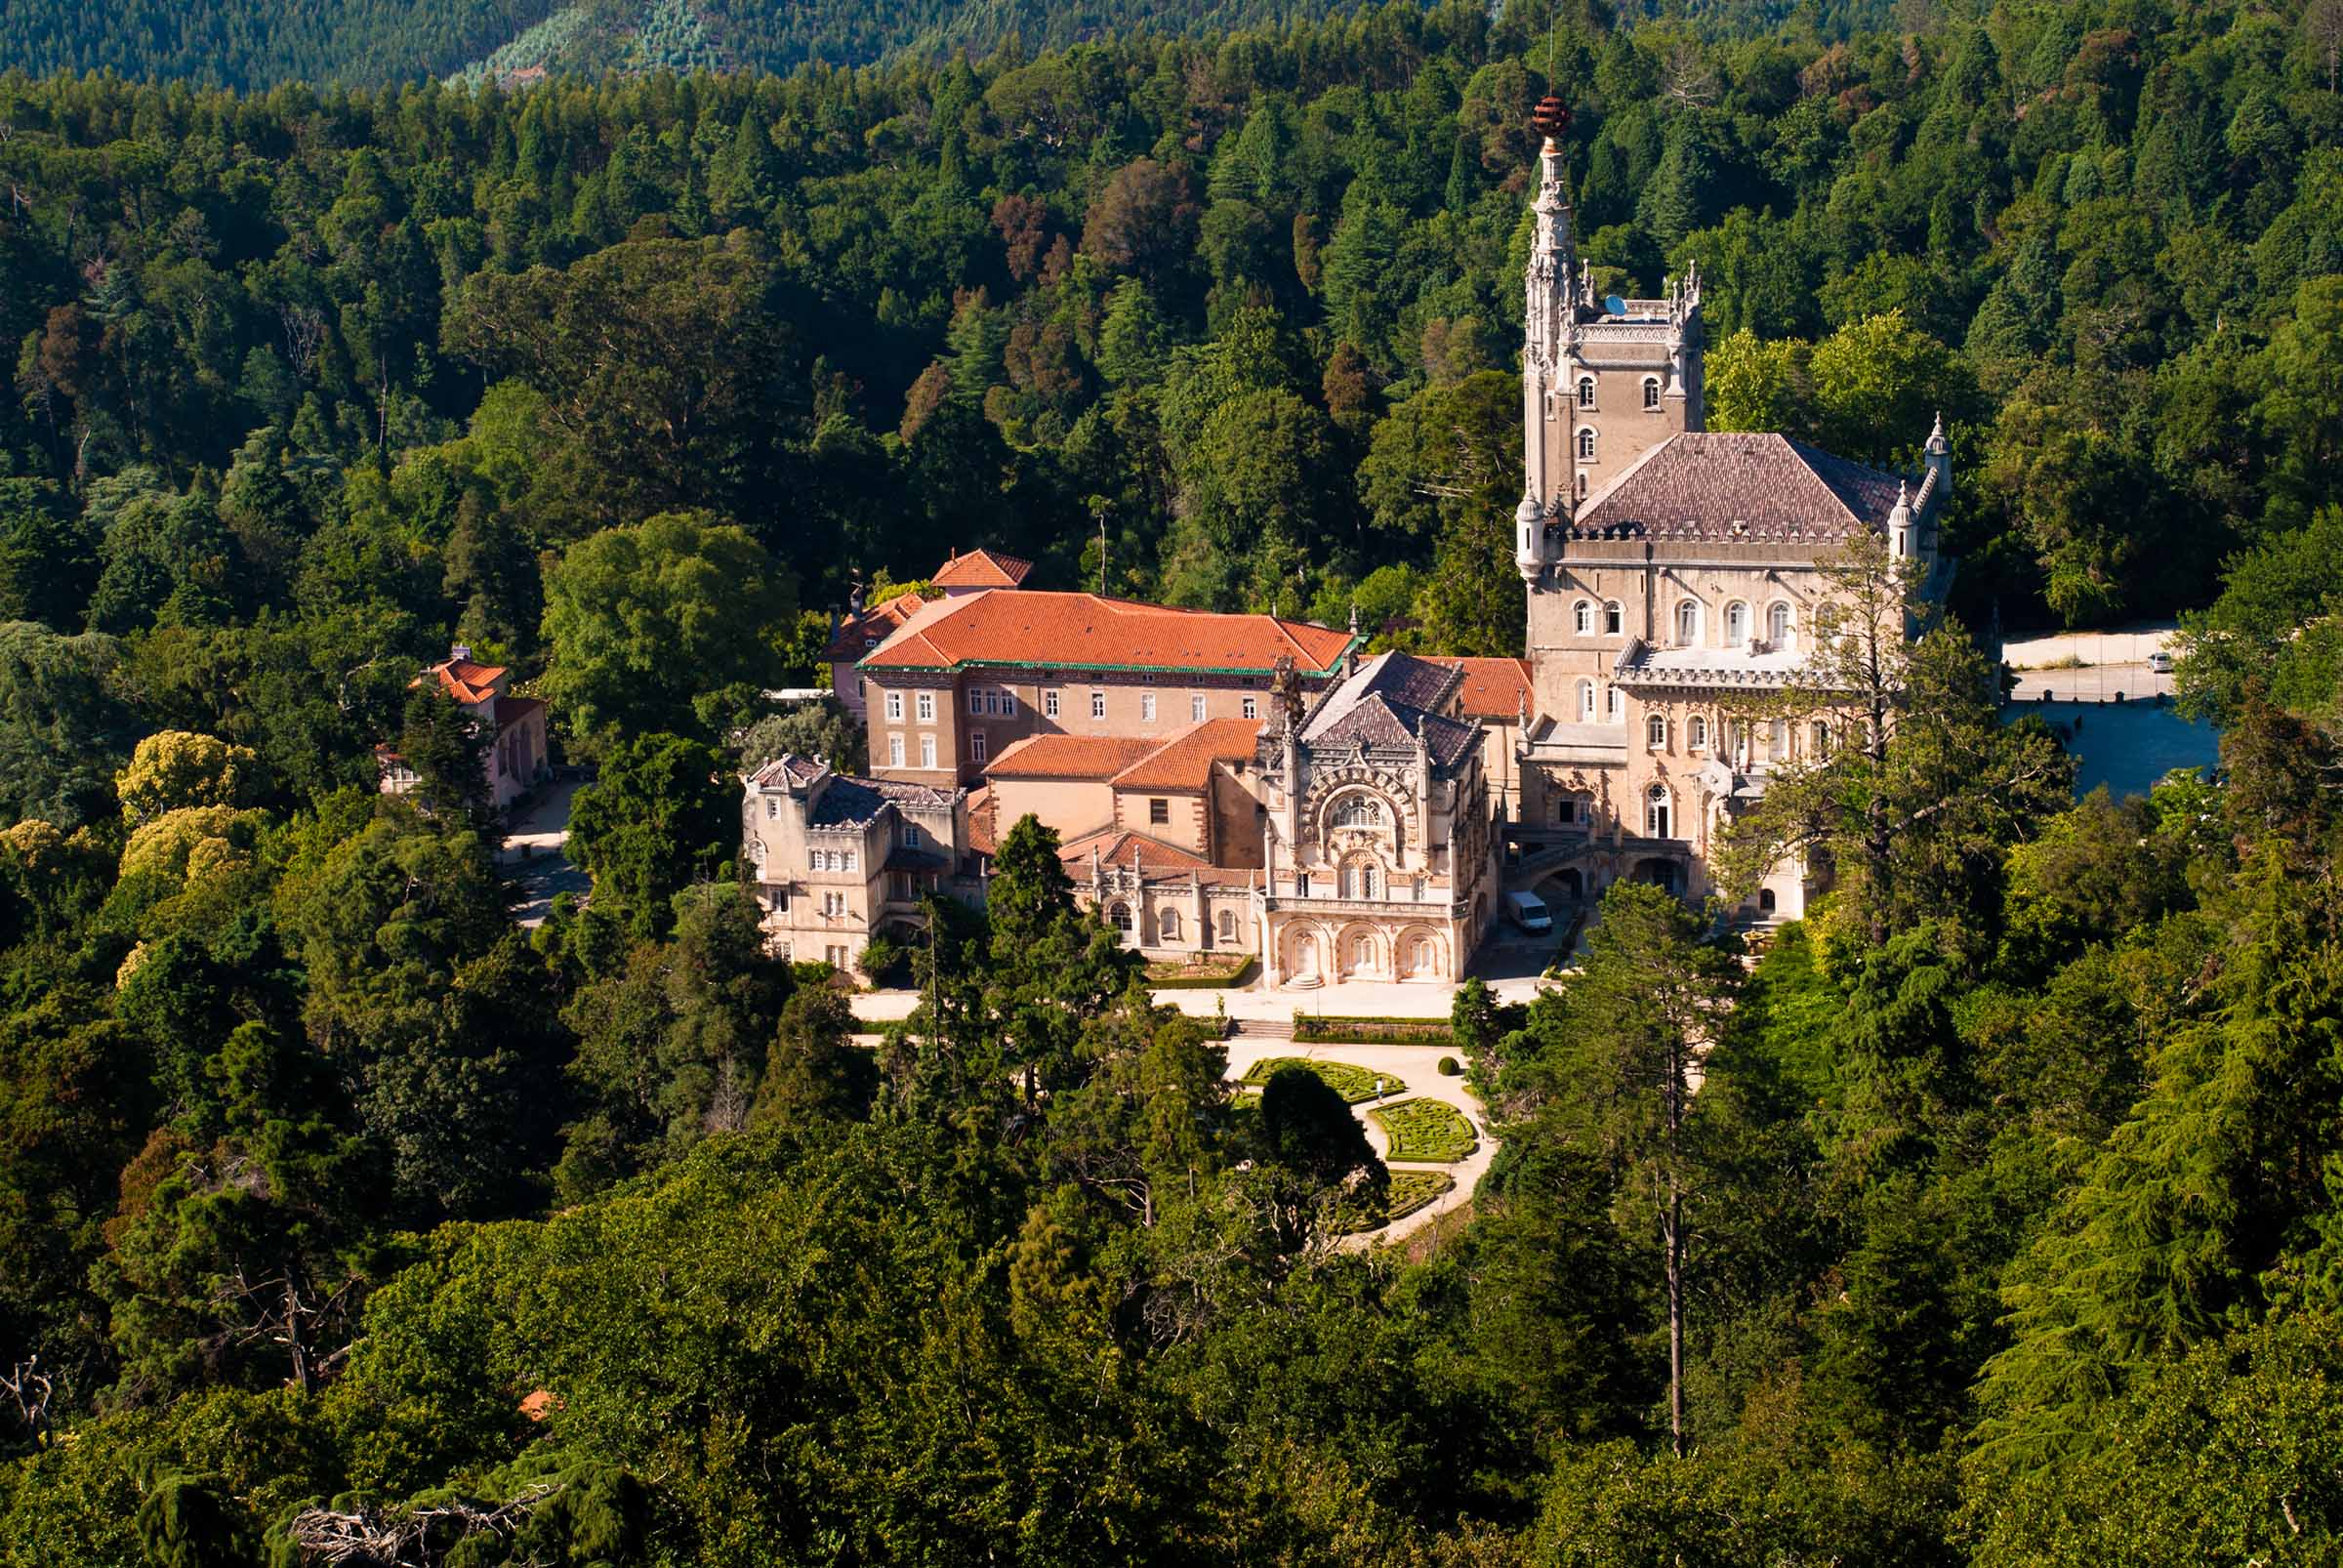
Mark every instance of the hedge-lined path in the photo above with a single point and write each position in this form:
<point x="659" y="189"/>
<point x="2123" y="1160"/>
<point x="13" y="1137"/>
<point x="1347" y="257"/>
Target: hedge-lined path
<point x="1415" y="1072"/>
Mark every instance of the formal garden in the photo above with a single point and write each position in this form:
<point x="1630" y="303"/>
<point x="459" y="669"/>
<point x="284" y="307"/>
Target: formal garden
<point x="1353" y="1084"/>
<point x="1429" y="1132"/>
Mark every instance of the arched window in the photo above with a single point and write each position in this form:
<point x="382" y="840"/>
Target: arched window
<point x="1586" y="392"/>
<point x="1582" y="484"/>
<point x="1586" y="447"/>
<point x="1688" y="623"/>
<point x="1615" y="618"/>
<point x="1696" y="731"/>
<point x="1585" y="702"/>
<point x="1765" y="900"/>
<point x="1362" y="954"/>
<point x="1902" y="535"/>
<point x="1358" y="812"/>
<point x="1737" y="624"/>
<point x="1615" y="704"/>
<point x="1119" y="916"/>
<point x="1166" y="925"/>
<point x="1655" y="812"/>
<point x="1650" y="391"/>
<point x="1777" y="624"/>
<point x="1821" y="738"/>
<point x="1777" y="741"/>
<point x="1583" y="617"/>
<point x="1228" y="924"/>
<point x="1654" y="731"/>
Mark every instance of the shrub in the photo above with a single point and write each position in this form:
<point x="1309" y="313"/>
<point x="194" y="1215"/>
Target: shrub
<point x="1179" y="974"/>
<point x="1329" y="1029"/>
<point x="1408" y="1191"/>
<point x="1428" y="1131"/>
<point x="1450" y="1067"/>
<point x="1353" y="1084"/>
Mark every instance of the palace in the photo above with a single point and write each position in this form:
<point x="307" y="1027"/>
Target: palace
<point x="1246" y="784"/>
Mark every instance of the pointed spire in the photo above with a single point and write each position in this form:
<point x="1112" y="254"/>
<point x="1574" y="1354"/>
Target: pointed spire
<point x="1936" y="434"/>
<point x="1354" y="615"/>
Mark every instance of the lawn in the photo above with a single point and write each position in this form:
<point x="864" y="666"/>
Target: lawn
<point x="1428" y="1131"/>
<point x="1353" y="1084"/>
<point x="1410" y="1191"/>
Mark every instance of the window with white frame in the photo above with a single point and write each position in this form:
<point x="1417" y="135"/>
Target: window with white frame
<point x="1615" y="704"/>
<point x="976" y="696"/>
<point x="1777" y="741"/>
<point x="1656" y="813"/>
<point x="1228" y="924"/>
<point x="1147" y="707"/>
<point x="1587" y="444"/>
<point x="1196" y="709"/>
<point x="927" y="707"/>
<point x="1650" y="391"/>
<point x="1615" y="618"/>
<point x="1252" y="709"/>
<point x="1098" y="704"/>
<point x="1302" y="885"/>
<point x="1586" y="392"/>
<point x="895" y="751"/>
<point x="853" y="859"/>
<point x="1688" y="622"/>
<point x="895" y="705"/>
<point x="1654" y="731"/>
<point x="1695" y="732"/>
<point x="910" y="837"/>
<point x="1050" y="704"/>
<point x="1008" y="703"/>
<point x="773" y="810"/>
<point x="927" y="751"/>
<point x="1585" y="702"/>
<point x="1777" y="624"/>
<point x="1822" y="739"/>
<point x="1581" y="617"/>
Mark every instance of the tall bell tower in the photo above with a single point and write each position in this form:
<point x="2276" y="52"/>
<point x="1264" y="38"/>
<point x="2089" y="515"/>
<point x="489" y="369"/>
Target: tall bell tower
<point x="1550" y="320"/>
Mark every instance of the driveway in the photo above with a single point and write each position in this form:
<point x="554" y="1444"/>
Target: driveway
<point x="535" y="854"/>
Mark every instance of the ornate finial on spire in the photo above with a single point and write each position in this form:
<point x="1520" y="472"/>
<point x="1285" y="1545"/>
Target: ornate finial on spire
<point x="1550" y="119"/>
<point x="1354" y="615"/>
<point x="1936" y="434"/>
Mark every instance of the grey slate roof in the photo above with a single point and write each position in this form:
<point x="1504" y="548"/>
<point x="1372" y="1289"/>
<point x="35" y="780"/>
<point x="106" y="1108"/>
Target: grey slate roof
<point x="1384" y="702"/>
<point x="1698" y="485"/>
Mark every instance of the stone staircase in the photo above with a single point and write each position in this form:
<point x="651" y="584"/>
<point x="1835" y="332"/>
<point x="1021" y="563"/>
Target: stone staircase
<point x="1261" y="1029"/>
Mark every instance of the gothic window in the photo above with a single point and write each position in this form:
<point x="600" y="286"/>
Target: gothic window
<point x="1615" y="704"/>
<point x="1650" y="391"/>
<point x="1358" y="812"/>
<point x="1586" y="392"/>
<point x="1586" y="445"/>
<point x="1228" y="924"/>
<point x="1585" y="702"/>
<point x="1615" y="618"/>
<point x="1696" y="731"/>
<point x="1582" y="484"/>
<point x="1688" y="623"/>
<point x="1120" y="916"/>
<point x="1777" y="624"/>
<point x="1654" y="731"/>
<point x="1655" y="812"/>
<point x="1766" y="902"/>
<point x="1737" y="624"/>
<point x="1583" y="617"/>
<point x="1362" y="955"/>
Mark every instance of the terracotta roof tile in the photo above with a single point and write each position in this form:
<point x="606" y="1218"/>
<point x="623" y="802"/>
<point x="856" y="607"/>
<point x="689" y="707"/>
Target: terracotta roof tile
<point x="465" y="682"/>
<point x="1700" y="485"/>
<point x="1493" y="689"/>
<point x="510" y="711"/>
<point x="1185" y="760"/>
<point x="1071" y="756"/>
<point x="857" y="635"/>
<point x="1156" y="861"/>
<point x="982" y="838"/>
<point x="981" y="568"/>
<point x="1085" y="630"/>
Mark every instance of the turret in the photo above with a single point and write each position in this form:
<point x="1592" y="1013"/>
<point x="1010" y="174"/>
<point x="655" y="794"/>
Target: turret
<point x="1898" y="525"/>
<point x="1939" y="457"/>
<point x="1549" y="329"/>
<point x="1529" y="540"/>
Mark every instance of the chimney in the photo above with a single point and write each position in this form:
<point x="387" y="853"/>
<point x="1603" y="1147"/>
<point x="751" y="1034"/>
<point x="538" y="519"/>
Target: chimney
<point x="459" y="653"/>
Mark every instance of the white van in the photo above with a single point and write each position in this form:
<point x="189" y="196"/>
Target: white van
<point x="1528" y="911"/>
<point x="2160" y="663"/>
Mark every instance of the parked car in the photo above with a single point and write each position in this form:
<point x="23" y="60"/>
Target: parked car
<point x="2160" y="662"/>
<point x="1529" y="912"/>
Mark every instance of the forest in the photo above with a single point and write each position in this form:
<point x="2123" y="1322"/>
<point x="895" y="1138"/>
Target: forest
<point x="341" y="1216"/>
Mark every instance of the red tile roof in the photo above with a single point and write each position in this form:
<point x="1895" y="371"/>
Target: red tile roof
<point x="1153" y="858"/>
<point x="510" y="711"/>
<point x="1071" y="756"/>
<point x="857" y="635"/>
<point x="1495" y="688"/>
<point x="465" y="682"/>
<point x="981" y="568"/>
<point x="1185" y="760"/>
<point x="1085" y="630"/>
<point x="981" y="837"/>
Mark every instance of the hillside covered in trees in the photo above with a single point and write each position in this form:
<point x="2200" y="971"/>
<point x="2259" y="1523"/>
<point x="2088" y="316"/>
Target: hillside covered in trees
<point x="335" y="1207"/>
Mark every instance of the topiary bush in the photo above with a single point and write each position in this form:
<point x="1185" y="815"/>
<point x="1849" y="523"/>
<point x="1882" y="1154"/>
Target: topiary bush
<point x="1450" y="1067"/>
